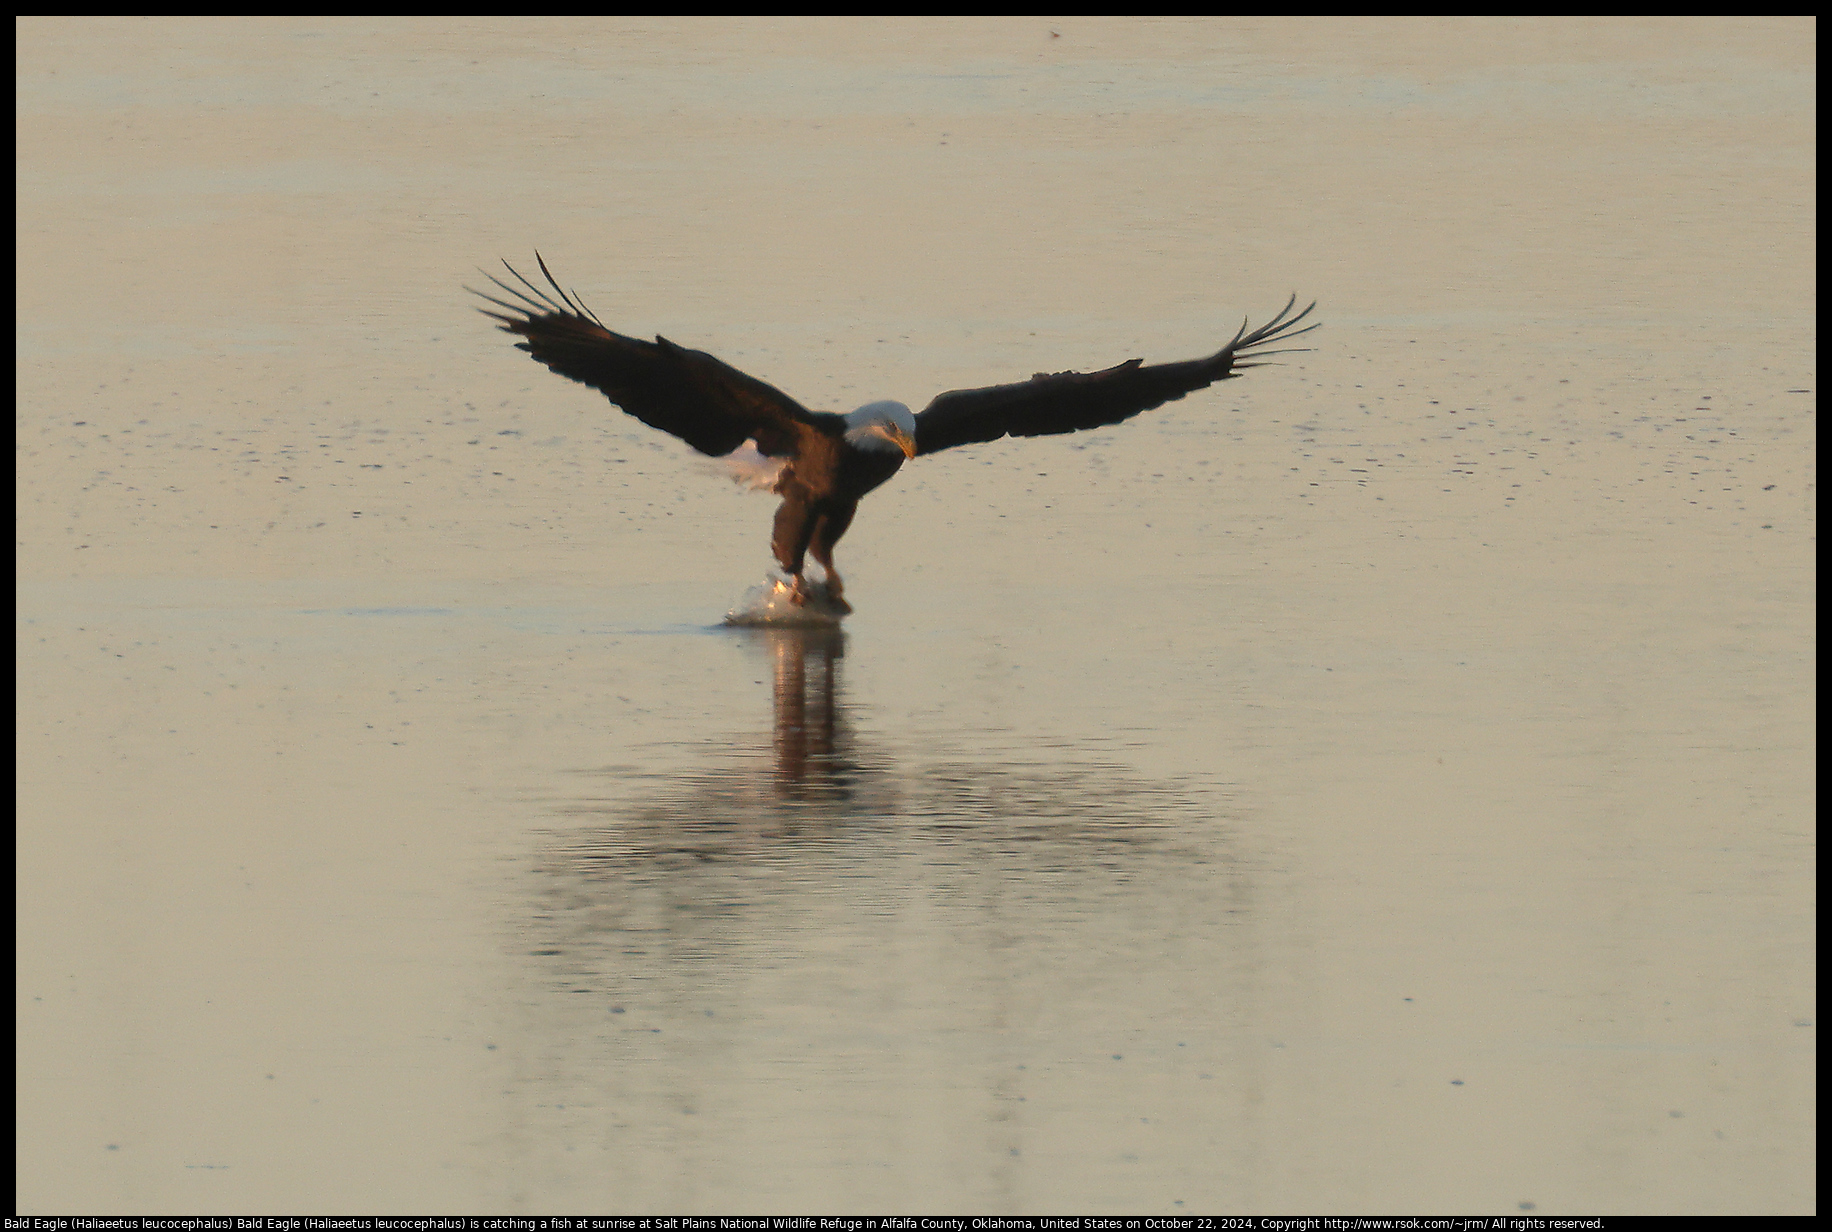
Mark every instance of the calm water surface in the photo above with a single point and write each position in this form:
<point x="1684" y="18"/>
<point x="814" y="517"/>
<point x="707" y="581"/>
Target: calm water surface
<point x="1383" y="782"/>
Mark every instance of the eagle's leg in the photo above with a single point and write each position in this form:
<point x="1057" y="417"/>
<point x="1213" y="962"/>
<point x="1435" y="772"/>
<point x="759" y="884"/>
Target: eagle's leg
<point x="827" y="532"/>
<point x="795" y="523"/>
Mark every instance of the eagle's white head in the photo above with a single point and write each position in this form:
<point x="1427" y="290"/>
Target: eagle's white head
<point x="884" y="426"/>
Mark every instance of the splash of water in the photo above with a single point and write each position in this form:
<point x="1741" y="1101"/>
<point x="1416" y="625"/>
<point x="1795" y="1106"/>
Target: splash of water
<point x="768" y="604"/>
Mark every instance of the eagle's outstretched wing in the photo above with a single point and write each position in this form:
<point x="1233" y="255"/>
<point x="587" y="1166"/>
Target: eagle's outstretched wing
<point x="1070" y="401"/>
<point x="709" y="404"/>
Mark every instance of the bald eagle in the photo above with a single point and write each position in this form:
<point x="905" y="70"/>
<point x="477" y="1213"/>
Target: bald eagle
<point x="822" y="463"/>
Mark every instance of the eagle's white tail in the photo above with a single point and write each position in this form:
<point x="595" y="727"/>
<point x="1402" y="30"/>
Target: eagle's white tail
<point x="749" y="468"/>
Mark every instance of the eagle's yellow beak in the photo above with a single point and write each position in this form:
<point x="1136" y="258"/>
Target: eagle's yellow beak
<point x="905" y="441"/>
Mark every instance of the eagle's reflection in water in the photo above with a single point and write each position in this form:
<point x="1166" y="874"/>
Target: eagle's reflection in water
<point x="819" y="780"/>
<point x="740" y="796"/>
<point x="805" y="680"/>
<point x="743" y="970"/>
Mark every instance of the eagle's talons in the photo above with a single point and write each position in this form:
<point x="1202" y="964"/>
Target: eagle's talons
<point x="835" y="595"/>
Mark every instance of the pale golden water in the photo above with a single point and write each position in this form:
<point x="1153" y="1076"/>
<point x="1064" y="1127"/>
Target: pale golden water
<point x="1382" y="783"/>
